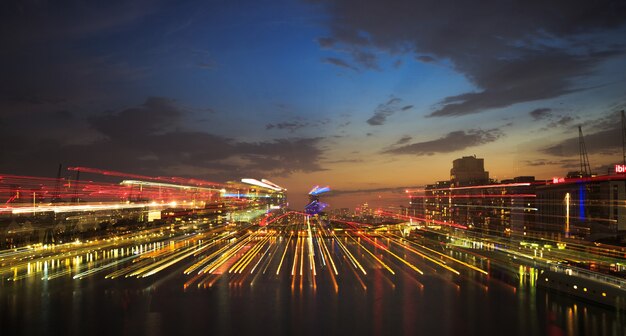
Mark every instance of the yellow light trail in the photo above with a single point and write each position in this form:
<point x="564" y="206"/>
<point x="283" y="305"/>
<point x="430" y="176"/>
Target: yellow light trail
<point x="272" y="254"/>
<point x="332" y="276"/>
<point x="247" y="257"/>
<point x="103" y="267"/>
<point x="295" y="258"/>
<point x="262" y="256"/>
<point x="350" y="256"/>
<point x="395" y="241"/>
<point x="241" y="259"/>
<point x="405" y="262"/>
<point x="374" y="256"/>
<point x="447" y="256"/>
<point x="168" y="264"/>
<point x="311" y="250"/>
<point x="170" y="260"/>
<point x="211" y="256"/>
<point x="301" y="259"/>
<point x="231" y="250"/>
<point x="284" y="253"/>
<point x="330" y="258"/>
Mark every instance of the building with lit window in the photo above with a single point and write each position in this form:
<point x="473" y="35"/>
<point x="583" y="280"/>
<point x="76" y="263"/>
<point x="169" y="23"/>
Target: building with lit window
<point x="587" y="207"/>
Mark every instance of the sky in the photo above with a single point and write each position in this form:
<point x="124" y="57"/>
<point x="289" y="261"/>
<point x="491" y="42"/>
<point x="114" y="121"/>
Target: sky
<point x="368" y="97"/>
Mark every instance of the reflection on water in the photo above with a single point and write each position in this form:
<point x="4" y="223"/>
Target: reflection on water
<point x="283" y="281"/>
<point x="161" y="306"/>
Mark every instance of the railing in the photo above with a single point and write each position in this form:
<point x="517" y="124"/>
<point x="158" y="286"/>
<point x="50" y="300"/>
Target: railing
<point x="583" y="273"/>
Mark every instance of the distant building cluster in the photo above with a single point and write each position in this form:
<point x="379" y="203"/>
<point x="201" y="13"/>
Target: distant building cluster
<point x="579" y="205"/>
<point x="363" y="214"/>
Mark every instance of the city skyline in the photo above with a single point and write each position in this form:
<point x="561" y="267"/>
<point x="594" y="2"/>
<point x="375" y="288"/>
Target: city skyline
<point x="306" y="93"/>
<point x="313" y="167"/>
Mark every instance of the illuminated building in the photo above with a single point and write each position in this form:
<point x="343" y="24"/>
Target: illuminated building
<point x="520" y="210"/>
<point x="437" y="202"/>
<point x="471" y="198"/>
<point x="591" y="208"/>
<point x="364" y="210"/>
<point x="464" y="208"/>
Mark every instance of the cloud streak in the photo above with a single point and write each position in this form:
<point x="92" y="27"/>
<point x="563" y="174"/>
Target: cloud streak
<point x="451" y="142"/>
<point x="339" y="63"/>
<point x="540" y="113"/>
<point x="387" y="109"/>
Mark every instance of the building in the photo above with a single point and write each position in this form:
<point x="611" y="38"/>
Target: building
<point x="582" y="206"/>
<point x="521" y="205"/>
<point x="590" y="208"/>
<point x="468" y="203"/>
<point x="467" y="171"/>
<point x="436" y="202"/>
<point x="470" y="198"/>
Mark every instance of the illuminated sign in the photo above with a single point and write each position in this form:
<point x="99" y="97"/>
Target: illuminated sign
<point x="620" y="168"/>
<point x="558" y="180"/>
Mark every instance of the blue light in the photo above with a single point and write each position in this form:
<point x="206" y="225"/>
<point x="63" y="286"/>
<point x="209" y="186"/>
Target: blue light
<point x="317" y="191"/>
<point x="315" y="207"/>
<point x="581" y="202"/>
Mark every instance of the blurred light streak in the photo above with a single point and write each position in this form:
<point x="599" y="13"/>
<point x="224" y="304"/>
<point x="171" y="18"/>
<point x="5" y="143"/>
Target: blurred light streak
<point x="259" y="184"/>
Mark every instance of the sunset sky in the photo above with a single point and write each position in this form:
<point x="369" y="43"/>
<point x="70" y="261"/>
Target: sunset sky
<point x="355" y="94"/>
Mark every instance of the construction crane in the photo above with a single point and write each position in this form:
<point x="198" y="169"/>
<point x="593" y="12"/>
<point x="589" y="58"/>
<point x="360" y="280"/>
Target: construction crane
<point x="585" y="169"/>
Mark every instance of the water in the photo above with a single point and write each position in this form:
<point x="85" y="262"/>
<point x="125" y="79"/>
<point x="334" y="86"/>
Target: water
<point x="435" y="303"/>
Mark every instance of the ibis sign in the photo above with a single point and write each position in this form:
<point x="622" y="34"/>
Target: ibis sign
<point x="620" y="168"/>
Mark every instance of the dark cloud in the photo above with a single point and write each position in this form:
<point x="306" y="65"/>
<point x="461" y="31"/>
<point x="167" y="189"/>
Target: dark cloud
<point x="539" y="75"/>
<point x="366" y="59"/>
<point x="607" y="121"/>
<point x="154" y="131"/>
<point x="155" y="115"/>
<point x="403" y="140"/>
<point x="540" y="50"/>
<point x="425" y="59"/>
<point x="563" y="163"/>
<point x="326" y="42"/>
<point x="561" y="121"/>
<point x="344" y="124"/>
<point x="339" y="62"/>
<point x="540" y="113"/>
<point x="385" y="110"/>
<point x="606" y="141"/>
<point x="451" y="142"/>
<point x="290" y="126"/>
<point x="345" y="161"/>
<point x="297" y="124"/>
